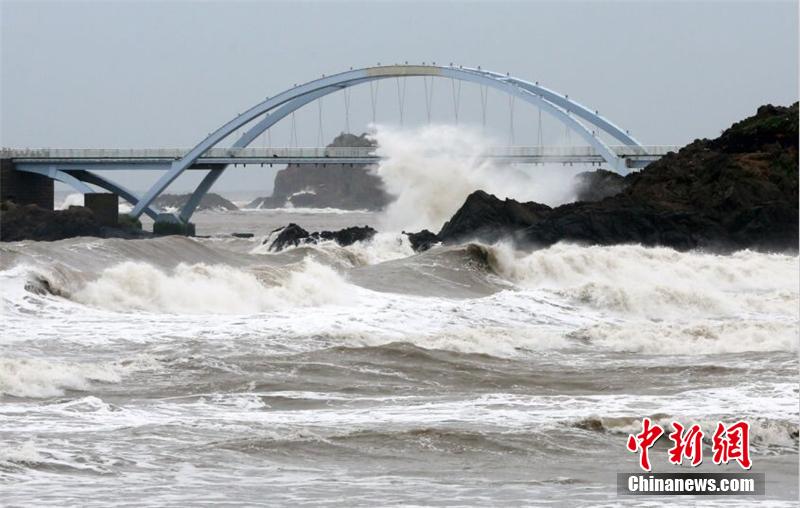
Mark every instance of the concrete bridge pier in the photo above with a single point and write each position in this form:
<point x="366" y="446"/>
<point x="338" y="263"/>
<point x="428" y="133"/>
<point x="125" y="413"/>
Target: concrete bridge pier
<point x="25" y="188"/>
<point x="104" y="206"/>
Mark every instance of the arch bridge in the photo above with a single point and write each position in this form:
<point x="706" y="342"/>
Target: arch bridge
<point x="77" y="168"/>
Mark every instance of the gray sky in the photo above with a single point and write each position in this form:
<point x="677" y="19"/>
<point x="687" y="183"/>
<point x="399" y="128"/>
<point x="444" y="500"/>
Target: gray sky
<point x="159" y="74"/>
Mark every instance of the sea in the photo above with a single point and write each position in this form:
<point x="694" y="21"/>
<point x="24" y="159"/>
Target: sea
<point x="206" y="371"/>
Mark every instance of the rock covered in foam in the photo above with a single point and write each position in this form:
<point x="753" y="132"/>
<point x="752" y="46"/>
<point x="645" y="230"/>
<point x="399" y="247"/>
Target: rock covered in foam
<point x="294" y="235"/>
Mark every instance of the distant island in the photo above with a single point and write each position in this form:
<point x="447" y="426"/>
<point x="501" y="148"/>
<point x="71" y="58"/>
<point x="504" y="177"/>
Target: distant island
<point x="343" y="186"/>
<point x="210" y="201"/>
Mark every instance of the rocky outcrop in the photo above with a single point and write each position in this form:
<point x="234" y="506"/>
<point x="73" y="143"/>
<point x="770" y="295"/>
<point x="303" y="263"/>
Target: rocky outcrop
<point x="293" y="235"/>
<point x="737" y="191"/>
<point x="344" y="186"/>
<point x="210" y="201"/>
<point x="484" y="216"/>
<point x="32" y="222"/>
<point x="598" y="185"/>
<point x="422" y="240"/>
<point x="288" y="236"/>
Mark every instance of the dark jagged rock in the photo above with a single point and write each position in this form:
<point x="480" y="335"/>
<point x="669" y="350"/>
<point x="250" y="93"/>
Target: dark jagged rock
<point x="485" y="217"/>
<point x="31" y="222"/>
<point x="210" y="201"/>
<point x="346" y="236"/>
<point x="242" y="235"/>
<point x="289" y="236"/>
<point x="737" y="191"/>
<point x="293" y="235"/>
<point x="598" y="185"/>
<point x="422" y="240"/>
<point x="345" y="186"/>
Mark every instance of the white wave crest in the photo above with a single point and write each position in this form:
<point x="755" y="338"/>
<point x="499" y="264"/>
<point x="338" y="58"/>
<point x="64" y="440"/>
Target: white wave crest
<point x="433" y="169"/>
<point x="699" y="338"/>
<point x="210" y="289"/>
<point x="303" y="210"/>
<point x="30" y="377"/>
<point x="499" y="342"/>
<point x="381" y="247"/>
<point x="658" y="283"/>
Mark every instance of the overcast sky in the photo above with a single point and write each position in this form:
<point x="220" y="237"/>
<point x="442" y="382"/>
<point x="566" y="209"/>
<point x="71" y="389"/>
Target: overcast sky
<point x="160" y="74"/>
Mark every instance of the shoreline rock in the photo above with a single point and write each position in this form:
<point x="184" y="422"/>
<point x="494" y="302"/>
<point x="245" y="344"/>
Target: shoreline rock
<point x="32" y="222"/>
<point x="598" y="185"/>
<point x="483" y="216"/>
<point x="294" y="235"/>
<point x="422" y="240"/>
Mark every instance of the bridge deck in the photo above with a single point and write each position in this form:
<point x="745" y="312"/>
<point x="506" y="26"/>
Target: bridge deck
<point x="263" y="153"/>
<point x="156" y="158"/>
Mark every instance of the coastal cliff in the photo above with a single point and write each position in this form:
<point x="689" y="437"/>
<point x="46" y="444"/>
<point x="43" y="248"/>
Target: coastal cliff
<point x="344" y="186"/>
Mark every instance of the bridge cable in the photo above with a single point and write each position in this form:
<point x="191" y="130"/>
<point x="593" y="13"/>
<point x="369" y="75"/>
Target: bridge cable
<point x="539" y="128"/>
<point x="567" y="129"/>
<point x="347" y="110"/>
<point x="456" y="97"/>
<point x="373" y="95"/>
<point x="320" y="133"/>
<point x="428" y="96"/>
<point x="293" y="139"/>
<point x="401" y="98"/>
<point x="484" y="99"/>
<point x="511" y="99"/>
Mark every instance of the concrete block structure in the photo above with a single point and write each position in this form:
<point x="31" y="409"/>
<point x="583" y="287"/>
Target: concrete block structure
<point x="25" y="188"/>
<point x="104" y="206"/>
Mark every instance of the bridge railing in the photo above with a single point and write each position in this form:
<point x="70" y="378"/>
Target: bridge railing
<point x="544" y="151"/>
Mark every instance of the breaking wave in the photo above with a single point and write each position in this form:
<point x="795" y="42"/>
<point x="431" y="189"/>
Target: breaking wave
<point x="210" y="289"/>
<point x="380" y="248"/>
<point x="696" y="337"/>
<point x="37" y="378"/>
<point x="431" y="171"/>
<point x="658" y="283"/>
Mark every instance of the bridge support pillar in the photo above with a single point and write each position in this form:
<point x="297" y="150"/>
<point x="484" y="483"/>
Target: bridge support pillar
<point x="25" y="188"/>
<point x="171" y="224"/>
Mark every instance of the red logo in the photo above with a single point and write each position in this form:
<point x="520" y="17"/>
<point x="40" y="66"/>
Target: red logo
<point x="732" y="443"/>
<point x="727" y="444"/>
<point x="689" y="445"/>
<point x="642" y="442"/>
